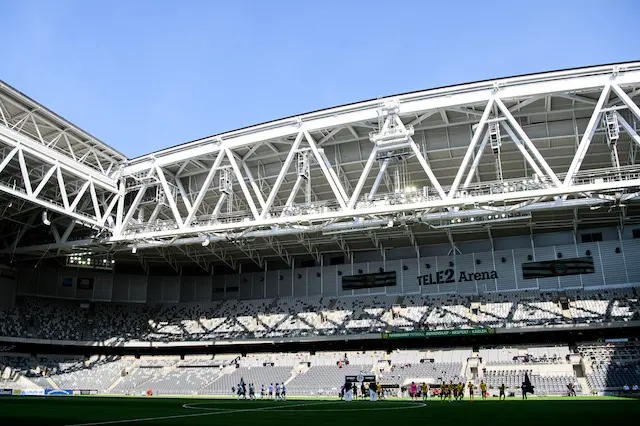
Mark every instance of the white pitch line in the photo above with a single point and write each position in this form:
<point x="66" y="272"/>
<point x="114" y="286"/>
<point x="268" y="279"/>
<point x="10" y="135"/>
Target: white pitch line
<point x="358" y="409"/>
<point x="407" y="406"/>
<point x="182" y="416"/>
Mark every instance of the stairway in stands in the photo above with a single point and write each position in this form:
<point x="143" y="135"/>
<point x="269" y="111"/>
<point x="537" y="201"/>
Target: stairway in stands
<point x="53" y="384"/>
<point x="584" y="386"/>
<point x="87" y="332"/>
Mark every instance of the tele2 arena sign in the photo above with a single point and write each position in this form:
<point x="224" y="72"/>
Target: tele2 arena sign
<point x="530" y="270"/>
<point x="448" y="276"/>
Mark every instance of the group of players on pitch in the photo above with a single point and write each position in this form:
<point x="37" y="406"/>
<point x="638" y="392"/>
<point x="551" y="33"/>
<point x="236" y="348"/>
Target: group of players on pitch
<point x="450" y="391"/>
<point x="277" y="392"/>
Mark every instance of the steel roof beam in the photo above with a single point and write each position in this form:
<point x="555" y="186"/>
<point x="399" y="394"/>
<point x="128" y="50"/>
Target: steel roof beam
<point x="417" y="129"/>
<point x="243" y="186"/>
<point x="635" y="110"/>
<point x="297" y="230"/>
<point x="280" y="178"/>
<point x="280" y="250"/>
<point x="419" y="102"/>
<point x="471" y="149"/>
<point x="581" y="151"/>
<point x="376" y="242"/>
<point x="476" y="161"/>
<point x="52" y="121"/>
<point x="305" y="241"/>
<point x="344" y="247"/>
<point x="329" y="173"/>
<point x="627" y="127"/>
<point x="591" y="185"/>
<point x="49" y="156"/>
<point x="578" y="98"/>
<point x="224" y="256"/>
<point x="26" y="191"/>
<point x="194" y="255"/>
<point x="204" y="188"/>
<point x="527" y="142"/>
<point x="251" y="253"/>
<point x="550" y="158"/>
<point x="170" y="259"/>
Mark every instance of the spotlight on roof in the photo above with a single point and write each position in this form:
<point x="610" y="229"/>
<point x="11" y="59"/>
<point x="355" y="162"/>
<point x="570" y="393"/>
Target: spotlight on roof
<point x="45" y="218"/>
<point x="134" y="249"/>
<point x="206" y="242"/>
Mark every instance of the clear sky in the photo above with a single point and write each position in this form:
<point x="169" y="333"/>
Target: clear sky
<point x="143" y="75"/>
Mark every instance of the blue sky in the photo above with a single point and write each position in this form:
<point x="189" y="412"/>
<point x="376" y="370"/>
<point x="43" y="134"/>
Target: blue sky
<point x="145" y="75"/>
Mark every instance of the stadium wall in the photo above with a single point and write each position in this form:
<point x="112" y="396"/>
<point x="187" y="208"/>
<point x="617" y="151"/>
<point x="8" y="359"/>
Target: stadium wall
<point x="615" y="264"/>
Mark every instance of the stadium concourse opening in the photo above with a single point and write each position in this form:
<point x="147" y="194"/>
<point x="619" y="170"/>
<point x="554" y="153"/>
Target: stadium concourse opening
<point x="475" y="240"/>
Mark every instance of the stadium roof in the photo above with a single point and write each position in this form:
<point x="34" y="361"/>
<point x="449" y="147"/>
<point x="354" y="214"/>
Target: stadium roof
<point x="75" y="142"/>
<point x="298" y="186"/>
<point x="434" y="90"/>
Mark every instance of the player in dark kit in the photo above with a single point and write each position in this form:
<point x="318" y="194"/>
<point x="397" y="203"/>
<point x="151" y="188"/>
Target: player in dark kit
<point x="527" y="387"/>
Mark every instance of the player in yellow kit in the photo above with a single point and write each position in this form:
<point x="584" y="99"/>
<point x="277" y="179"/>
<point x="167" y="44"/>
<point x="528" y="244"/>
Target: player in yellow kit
<point x="483" y="389"/>
<point x="425" y="391"/>
<point x="471" y="388"/>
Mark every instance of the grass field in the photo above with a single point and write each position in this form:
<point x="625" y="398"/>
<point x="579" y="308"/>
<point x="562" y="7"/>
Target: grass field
<point x="62" y="411"/>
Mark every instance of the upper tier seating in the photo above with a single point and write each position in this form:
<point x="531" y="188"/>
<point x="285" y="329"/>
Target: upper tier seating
<point x="311" y="316"/>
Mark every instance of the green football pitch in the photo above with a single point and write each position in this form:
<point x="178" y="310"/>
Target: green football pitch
<point x="86" y="411"/>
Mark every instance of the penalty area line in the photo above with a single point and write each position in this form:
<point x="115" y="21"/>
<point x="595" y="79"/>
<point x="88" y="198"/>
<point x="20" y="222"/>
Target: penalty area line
<point x="183" y="416"/>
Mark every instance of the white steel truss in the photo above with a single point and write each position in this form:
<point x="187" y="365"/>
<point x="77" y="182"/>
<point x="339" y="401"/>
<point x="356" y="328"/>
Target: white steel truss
<point x="415" y="158"/>
<point x="46" y="178"/>
<point x="44" y="128"/>
<point x="48" y="162"/>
